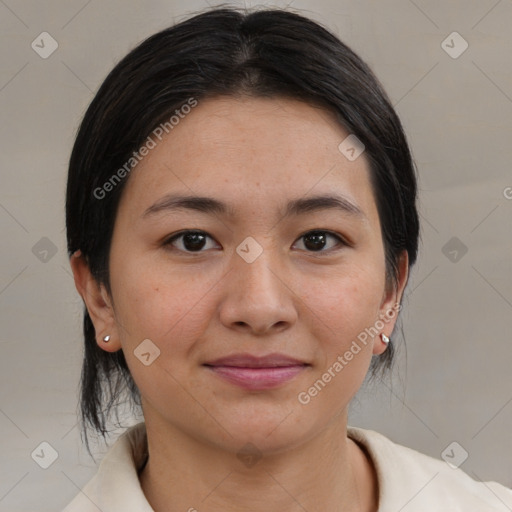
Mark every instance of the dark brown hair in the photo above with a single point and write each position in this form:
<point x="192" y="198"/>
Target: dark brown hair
<point x="224" y="51"/>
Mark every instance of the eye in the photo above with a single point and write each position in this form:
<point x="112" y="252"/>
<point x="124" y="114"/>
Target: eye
<point x="316" y="241"/>
<point x="194" y="241"/>
<point x="189" y="241"/>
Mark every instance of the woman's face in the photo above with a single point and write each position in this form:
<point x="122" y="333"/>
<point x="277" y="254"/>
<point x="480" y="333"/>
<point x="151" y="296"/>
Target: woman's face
<point x="255" y="282"/>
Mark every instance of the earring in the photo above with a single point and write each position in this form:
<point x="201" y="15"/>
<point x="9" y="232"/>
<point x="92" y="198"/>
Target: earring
<point x="384" y="338"/>
<point x="106" y="338"/>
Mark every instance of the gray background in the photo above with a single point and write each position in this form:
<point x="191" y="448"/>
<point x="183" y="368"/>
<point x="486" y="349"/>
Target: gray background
<point x="457" y="113"/>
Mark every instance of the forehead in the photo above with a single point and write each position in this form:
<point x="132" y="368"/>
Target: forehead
<point x="265" y="149"/>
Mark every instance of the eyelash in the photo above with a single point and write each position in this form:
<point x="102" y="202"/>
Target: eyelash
<point x="341" y="242"/>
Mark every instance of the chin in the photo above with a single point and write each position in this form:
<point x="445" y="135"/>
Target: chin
<point x="270" y="430"/>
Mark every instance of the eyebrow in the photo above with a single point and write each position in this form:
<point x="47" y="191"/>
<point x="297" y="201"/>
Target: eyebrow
<point x="173" y="202"/>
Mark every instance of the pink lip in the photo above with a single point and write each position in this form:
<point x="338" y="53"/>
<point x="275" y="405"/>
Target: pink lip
<point x="257" y="373"/>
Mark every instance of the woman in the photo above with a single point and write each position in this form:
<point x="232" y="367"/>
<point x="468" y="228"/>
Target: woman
<point x="241" y="224"/>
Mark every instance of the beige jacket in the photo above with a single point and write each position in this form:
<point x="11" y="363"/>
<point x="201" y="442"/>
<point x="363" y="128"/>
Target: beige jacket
<point x="408" y="480"/>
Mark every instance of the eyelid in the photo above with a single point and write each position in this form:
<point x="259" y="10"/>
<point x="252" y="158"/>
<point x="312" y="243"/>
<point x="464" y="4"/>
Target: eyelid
<point x="342" y="241"/>
<point x="171" y="238"/>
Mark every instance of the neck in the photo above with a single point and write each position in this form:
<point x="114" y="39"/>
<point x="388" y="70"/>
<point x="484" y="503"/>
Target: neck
<point x="329" y="473"/>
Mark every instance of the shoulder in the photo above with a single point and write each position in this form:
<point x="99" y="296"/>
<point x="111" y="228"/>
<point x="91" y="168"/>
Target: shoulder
<point x="414" y="482"/>
<point x="115" y="486"/>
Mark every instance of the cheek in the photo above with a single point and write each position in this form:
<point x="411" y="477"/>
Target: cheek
<point x="342" y="308"/>
<point x="344" y="304"/>
<point x="173" y="319"/>
<point x="155" y="303"/>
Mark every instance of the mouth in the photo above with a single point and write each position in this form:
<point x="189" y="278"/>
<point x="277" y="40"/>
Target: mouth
<point x="257" y="373"/>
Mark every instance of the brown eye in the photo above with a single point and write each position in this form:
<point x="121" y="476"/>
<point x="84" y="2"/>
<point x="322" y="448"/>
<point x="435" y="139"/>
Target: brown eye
<point x="317" y="240"/>
<point x="189" y="241"/>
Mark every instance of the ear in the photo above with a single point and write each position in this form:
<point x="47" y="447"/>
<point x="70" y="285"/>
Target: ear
<point x="391" y="303"/>
<point x="98" y="303"/>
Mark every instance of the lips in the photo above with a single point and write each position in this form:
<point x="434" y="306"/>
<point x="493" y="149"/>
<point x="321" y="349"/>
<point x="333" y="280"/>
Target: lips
<point x="250" y="361"/>
<point x="257" y="373"/>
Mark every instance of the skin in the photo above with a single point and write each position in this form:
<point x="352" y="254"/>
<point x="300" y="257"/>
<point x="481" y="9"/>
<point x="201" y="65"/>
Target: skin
<point x="255" y="155"/>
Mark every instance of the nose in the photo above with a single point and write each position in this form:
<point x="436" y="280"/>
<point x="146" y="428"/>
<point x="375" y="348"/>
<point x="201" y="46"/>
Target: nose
<point x="258" y="298"/>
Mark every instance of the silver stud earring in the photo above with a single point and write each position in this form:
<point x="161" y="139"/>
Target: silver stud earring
<point x="106" y="338"/>
<point x="384" y="338"/>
